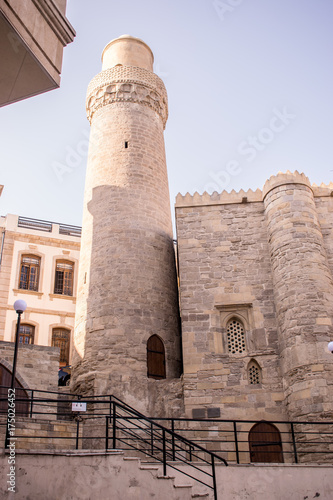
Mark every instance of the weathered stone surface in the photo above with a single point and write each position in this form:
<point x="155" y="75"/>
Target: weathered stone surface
<point x="37" y="366"/>
<point x="127" y="277"/>
<point x="268" y="263"/>
<point x="303" y="292"/>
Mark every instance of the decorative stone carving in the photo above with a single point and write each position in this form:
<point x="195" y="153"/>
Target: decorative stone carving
<point x="127" y="84"/>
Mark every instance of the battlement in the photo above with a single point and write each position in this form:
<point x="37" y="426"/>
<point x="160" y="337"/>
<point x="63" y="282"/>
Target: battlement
<point x="282" y="179"/>
<point x="215" y="198"/>
<point x="251" y="196"/>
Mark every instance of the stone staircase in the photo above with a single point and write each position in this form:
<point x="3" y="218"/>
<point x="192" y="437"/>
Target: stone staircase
<point x="184" y="487"/>
<point x="110" y="475"/>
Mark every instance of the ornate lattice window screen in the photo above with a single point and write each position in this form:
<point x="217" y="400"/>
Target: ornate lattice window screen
<point x="235" y="336"/>
<point x="254" y="374"/>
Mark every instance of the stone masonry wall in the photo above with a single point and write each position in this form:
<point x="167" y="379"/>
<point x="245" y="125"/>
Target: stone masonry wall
<point x="225" y="272"/>
<point x="127" y="277"/>
<point x="37" y="366"/>
<point x="230" y="268"/>
<point x="303" y="295"/>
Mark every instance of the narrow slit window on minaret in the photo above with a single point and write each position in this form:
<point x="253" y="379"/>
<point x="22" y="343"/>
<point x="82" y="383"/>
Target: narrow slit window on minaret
<point x="126" y="144"/>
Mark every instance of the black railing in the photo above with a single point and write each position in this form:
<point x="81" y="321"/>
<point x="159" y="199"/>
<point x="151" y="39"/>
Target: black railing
<point x="119" y="426"/>
<point x="198" y="443"/>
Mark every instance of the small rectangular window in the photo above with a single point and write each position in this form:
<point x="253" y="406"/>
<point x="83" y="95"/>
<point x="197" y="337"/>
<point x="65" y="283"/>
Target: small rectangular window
<point x="29" y="275"/>
<point x="64" y="278"/>
<point x="26" y="334"/>
<point x="61" y="338"/>
<point x="126" y="144"/>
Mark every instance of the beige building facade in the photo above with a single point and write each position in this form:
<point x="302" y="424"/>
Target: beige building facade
<point x="39" y="263"/>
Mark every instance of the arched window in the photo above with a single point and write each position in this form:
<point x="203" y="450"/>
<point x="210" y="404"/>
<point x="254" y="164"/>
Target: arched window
<point x="29" y="272"/>
<point x="155" y="358"/>
<point x="254" y="372"/>
<point x="235" y="336"/>
<point x="61" y="338"/>
<point x="26" y="334"/>
<point x="64" y="276"/>
<point x="265" y="443"/>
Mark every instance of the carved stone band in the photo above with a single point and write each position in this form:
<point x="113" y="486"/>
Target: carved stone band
<point x="127" y="84"/>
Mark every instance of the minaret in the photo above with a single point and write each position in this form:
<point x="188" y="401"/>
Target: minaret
<point x="127" y="288"/>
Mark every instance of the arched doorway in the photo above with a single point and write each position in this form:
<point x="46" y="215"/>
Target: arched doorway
<point x="155" y="358"/>
<point x="265" y="443"/>
<point x="21" y="407"/>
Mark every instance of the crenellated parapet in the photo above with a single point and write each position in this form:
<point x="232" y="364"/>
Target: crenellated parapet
<point x="250" y="196"/>
<point x="127" y="84"/>
<point x="283" y="179"/>
<point x="223" y="198"/>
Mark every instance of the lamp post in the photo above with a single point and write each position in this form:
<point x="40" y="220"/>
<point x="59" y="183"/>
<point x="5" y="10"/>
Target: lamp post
<point x="330" y="347"/>
<point x="19" y="306"/>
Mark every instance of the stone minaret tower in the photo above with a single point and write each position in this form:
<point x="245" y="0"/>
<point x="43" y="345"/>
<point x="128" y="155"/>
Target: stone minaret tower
<point x="127" y="288"/>
<point x="303" y="292"/>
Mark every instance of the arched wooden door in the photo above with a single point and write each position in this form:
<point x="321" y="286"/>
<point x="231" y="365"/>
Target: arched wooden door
<point x="155" y="358"/>
<point x="21" y="407"/>
<point x="265" y="443"/>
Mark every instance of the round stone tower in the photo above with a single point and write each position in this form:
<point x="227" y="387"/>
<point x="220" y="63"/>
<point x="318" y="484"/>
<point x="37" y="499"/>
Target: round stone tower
<point x="127" y="289"/>
<point x="303" y="294"/>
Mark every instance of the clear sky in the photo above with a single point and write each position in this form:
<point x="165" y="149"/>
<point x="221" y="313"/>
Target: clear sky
<point x="249" y="84"/>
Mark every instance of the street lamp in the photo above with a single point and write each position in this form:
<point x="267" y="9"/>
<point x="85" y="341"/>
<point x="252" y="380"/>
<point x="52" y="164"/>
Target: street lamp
<point x="330" y="347"/>
<point x="19" y="306"/>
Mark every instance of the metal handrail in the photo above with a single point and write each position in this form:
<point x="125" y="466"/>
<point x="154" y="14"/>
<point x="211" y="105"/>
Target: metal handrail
<point x="169" y="440"/>
<point x="168" y="452"/>
<point x="136" y="431"/>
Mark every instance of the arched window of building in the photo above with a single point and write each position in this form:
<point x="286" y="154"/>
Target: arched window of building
<point x="235" y="336"/>
<point x="64" y="277"/>
<point x="265" y="443"/>
<point x="155" y="358"/>
<point x="26" y="334"/>
<point x="61" y="339"/>
<point x="29" y="272"/>
<point x="254" y="372"/>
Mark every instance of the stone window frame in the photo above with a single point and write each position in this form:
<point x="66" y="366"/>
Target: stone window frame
<point x="64" y="285"/>
<point x="242" y="312"/>
<point x="31" y="336"/>
<point x="152" y="359"/>
<point x="29" y="280"/>
<point x="239" y="342"/>
<point x="254" y="363"/>
<point x="75" y="263"/>
<point x="70" y="338"/>
<point x="27" y="322"/>
<point x="34" y="252"/>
